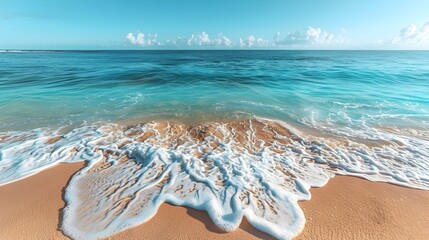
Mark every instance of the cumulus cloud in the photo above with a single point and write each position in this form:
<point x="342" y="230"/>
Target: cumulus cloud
<point x="201" y="40"/>
<point x="141" y="39"/>
<point x="252" y="41"/>
<point x="311" y="36"/>
<point x="411" y="34"/>
<point x="222" y="40"/>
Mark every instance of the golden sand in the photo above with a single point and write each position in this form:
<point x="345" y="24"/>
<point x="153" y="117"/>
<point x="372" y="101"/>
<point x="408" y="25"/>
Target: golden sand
<point x="346" y="208"/>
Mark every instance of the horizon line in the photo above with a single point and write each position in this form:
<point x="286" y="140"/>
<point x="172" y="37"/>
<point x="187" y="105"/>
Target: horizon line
<point x="12" y="50"/>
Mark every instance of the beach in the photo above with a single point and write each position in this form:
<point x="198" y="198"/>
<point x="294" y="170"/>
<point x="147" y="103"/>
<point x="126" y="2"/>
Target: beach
<point x="214" y="120"/>
<point x="193" y="144"/>
<point x="346" y="208"/>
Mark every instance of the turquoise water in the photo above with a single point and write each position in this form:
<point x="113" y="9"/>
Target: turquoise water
<point x="234" y="133"/>
<point x="39" y="89"/>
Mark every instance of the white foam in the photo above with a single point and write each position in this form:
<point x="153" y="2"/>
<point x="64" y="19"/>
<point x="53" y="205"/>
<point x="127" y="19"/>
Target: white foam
<point x="23" y="154"/>
<point x="255" y="169"/>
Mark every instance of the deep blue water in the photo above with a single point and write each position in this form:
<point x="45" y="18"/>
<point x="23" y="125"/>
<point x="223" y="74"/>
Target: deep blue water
<point x="348" y="88"/>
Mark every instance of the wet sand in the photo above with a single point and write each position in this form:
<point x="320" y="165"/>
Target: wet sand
<point x="346" y="208"/>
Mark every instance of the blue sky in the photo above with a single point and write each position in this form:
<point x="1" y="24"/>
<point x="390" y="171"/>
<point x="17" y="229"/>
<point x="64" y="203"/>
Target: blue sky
<point x="192" y="24"/>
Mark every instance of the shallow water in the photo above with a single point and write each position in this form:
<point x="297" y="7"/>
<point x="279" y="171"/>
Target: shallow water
<point x="235" y="133"/>
<point x="40" y="89"/>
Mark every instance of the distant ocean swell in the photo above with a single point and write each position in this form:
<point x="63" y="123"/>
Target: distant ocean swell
<point x="255" y="168"/>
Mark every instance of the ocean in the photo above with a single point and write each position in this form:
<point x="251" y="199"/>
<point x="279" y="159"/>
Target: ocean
<point x="234" y="133"/>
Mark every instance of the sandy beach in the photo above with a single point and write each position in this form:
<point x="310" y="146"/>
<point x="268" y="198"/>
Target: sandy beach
<point x="346" y="208"/>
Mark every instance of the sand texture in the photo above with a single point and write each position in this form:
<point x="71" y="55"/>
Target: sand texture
<point x="346" y="208"/>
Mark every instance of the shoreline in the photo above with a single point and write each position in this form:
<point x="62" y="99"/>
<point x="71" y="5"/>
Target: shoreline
<point x="347" y="207"/>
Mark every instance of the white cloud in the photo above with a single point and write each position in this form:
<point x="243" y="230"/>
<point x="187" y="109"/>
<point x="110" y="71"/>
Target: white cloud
<point x="142" y="40"/>
<point x="411" y="35"/>
<point x="311" y="36"/>
<point x="222" y="40"/>
<point x="201" y="40"/>
<point x="252" y="41"/>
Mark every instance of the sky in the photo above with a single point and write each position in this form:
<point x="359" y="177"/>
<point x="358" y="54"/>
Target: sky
<point x="214" y="24"/>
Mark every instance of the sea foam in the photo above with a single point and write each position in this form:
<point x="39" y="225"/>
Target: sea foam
<point x="257" y="168"/>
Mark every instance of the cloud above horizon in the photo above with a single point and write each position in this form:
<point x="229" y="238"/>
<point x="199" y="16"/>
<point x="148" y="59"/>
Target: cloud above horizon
<point x="412" y="35"/>
<point x="201" y="40"/>
<point x="252" y="41"/>
<point x="311" y="36"/>
<point x="142" y="40"/>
